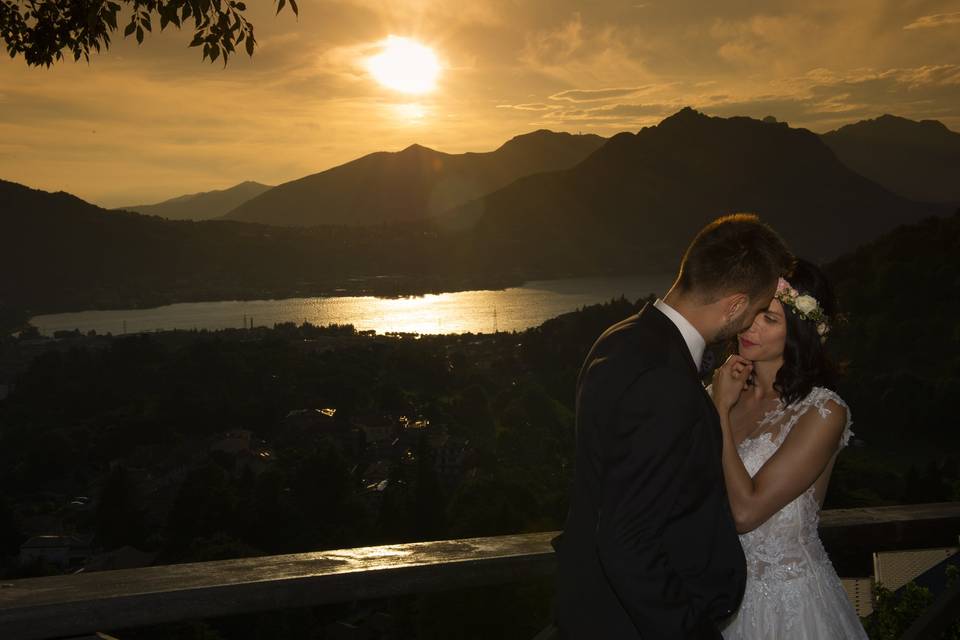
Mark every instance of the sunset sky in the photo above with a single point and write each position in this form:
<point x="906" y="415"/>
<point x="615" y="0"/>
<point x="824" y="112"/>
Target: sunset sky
<point x="142" y="124"/>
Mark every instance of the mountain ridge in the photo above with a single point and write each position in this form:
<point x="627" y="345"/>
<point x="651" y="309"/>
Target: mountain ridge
<point x="916" y="159"/>
<point x="675" y="177"/>
<point x="203" y="205"/>
<point x="630" y="206"/>
<point x="412" y="183"/>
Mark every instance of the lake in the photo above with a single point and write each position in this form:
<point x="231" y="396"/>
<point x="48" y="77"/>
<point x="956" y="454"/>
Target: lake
<point x="512" y="309"/>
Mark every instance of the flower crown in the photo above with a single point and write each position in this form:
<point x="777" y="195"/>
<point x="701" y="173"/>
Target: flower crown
<point x="806" y="306"/>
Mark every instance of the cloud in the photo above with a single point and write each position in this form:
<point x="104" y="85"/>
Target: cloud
<point x="591" y="95"/>
<point x="554" y="46"/>
<point x="525" y="107"/>
<point x="824" y="98"/>
<point x="168" y="124"/>
<point x="936" y="20"/>
<point x="940" y="74"/>
<point x="608" y="118"/>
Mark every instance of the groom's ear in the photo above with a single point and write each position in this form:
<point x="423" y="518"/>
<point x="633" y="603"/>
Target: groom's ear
<point x="736" y="303"/>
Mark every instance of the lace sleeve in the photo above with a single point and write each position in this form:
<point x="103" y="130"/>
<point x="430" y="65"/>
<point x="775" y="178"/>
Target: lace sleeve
<point x="819" y="397"/>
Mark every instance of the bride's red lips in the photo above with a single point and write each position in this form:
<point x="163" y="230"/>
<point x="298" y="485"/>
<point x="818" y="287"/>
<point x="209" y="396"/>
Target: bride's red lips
<point x="746" y="343"/>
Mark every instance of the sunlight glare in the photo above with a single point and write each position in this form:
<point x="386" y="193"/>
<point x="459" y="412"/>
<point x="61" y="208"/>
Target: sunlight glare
<point x="405" y="65"/>
<point x="410" y="112"/>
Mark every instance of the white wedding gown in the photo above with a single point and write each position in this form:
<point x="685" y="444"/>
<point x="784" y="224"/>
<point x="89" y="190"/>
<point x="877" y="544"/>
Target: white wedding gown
<point x="792" y="591"/>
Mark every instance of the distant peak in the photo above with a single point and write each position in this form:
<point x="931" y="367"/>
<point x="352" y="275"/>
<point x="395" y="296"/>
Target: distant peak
<point x="888" y="120"/>
<point x="545" y="139"/>
<point x="539" y="133"/>
<point x="689" y="112"/>
<point x="685" y="115"/>
<point x="533" y="136"/>
<point x="417" y="148"/>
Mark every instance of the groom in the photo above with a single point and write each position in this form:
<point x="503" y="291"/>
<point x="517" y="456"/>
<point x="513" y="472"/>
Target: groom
<point x="649" y="549"/>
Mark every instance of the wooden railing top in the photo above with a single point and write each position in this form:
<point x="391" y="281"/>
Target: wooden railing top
<point x="37" y="608"/>
<point x="40" y="608"/>
<point x="831" y="518"/>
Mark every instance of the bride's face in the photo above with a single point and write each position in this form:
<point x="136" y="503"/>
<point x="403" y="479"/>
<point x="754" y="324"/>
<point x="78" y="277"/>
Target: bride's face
<point x="764" y="339"/>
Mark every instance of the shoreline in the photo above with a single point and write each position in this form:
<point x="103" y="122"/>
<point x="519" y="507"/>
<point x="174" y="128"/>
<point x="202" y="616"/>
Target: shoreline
<point x="477" y="306"/>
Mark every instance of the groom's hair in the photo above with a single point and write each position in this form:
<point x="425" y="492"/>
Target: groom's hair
<point x="734" y="254"/>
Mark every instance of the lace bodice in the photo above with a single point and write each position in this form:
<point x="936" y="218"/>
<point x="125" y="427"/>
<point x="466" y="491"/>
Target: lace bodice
<point x="792" y="590"/>
<point x="780" y="545"/>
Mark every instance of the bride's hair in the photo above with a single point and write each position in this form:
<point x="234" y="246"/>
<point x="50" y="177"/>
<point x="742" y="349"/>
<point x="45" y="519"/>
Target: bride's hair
<point x="805" y="361"/>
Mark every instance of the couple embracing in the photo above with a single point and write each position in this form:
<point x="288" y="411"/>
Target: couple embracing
<point x="694" y="511"/>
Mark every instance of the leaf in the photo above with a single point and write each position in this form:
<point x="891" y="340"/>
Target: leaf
<point x="197" y="39"/>
<point x="250" y="45"/>
<point x="215" y="51"/>
<point x="241" y="6"/>
<point x="293" y="5"/>
<point x="280" y="5"/>
<point x="130" y="29"/>
<point x="139" y="35"/>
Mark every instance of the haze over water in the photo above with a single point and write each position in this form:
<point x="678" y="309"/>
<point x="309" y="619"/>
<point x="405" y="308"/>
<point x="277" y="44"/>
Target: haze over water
<point x="512" y="309"/>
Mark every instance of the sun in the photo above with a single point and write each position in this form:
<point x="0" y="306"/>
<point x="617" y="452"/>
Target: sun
<point x="405" y="65"/>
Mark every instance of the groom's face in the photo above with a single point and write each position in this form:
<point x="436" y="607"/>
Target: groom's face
<point x="740" y="323"/>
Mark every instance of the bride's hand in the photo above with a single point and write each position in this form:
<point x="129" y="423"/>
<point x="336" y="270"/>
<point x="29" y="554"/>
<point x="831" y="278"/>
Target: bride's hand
<point x="730" y="380"/>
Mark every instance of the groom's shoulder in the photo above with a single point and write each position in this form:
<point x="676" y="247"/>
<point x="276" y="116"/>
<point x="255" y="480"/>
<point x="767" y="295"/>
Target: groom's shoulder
<point x="635" y="341"/>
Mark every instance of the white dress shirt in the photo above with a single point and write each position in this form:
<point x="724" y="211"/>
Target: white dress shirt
<point x="695" y="342"/>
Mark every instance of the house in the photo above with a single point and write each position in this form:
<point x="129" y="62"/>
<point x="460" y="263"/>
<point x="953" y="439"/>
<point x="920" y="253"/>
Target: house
<point x="308" y="427"/>
<point x="450" y="460"/>
<point x="378" y="432"/>
<point x="244" y="451"/>
<point x="233" y="442"/>
<point x="125" y="557"/>
<point x="64" y="551"/>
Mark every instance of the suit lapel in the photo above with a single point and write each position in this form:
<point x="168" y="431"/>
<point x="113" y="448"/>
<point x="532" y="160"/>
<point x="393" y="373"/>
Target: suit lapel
<point x="676" y="338"/>
<point x="672" y="333"/>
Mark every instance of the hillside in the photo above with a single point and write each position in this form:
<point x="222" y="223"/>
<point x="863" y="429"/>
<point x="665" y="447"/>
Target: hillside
<point x="637" y="201"/>
<point x="61" y="253"/>
<point x="201" y="206"/>
<point x="414" y="183"/>
<point x="918" y="160"/>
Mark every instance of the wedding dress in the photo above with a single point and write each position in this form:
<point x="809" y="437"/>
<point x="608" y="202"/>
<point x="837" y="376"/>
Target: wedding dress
<point x="792" y="591"/>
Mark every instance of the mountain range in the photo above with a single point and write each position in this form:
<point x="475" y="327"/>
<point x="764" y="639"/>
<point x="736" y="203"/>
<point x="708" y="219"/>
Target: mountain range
<point x="918" y="160"/>
<point x="630" y="206"/>
<point x="634" y="203"/>
<point x="60" y="253"/>
<point x="202" y="206"/>
<point x="413" y="183"/>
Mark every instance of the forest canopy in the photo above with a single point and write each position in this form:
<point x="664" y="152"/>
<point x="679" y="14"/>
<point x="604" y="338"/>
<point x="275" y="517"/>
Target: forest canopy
<point x="42" y="30"/>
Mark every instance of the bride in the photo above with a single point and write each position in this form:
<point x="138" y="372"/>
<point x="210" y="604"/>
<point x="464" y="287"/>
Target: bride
<point x="783" y="426"/>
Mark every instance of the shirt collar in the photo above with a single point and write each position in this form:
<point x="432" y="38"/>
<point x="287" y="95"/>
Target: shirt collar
<point x="695" y="342"/>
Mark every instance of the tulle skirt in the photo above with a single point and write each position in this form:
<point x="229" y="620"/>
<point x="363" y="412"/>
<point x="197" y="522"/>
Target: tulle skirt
<point x="813" y="606"/>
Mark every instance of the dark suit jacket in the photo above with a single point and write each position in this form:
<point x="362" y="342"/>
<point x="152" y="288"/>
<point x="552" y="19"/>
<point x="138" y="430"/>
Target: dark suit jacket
<point x="649" y="549"/>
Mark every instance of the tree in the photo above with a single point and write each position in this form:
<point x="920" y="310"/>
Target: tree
<point x="10" y="533"/>
<point x="12" y="319"/>
<point x="40" y="30"/>
<point x="119" y="519"/>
